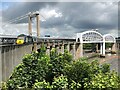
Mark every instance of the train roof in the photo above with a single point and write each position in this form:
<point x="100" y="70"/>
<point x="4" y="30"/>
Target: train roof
<point x="22" y="35"/>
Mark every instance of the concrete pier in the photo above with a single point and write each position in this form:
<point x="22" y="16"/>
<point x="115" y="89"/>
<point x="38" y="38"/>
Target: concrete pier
<point x="114" y="48"/>
<point x="48" y="49"/>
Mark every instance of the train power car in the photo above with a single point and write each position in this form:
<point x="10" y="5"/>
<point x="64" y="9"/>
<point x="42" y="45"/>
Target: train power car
<point x="23" y="39"/>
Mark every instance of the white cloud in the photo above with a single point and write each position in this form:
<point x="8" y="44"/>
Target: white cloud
<point x="54" y="13"/>
<point x="15" y="29"/>
<point x="48" y="13"/>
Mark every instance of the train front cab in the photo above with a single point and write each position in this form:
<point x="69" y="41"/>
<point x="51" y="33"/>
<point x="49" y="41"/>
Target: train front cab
<point x="20" y="40"/>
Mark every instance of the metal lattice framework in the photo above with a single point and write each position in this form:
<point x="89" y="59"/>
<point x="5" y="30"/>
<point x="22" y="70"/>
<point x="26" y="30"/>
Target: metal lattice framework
<point x="89" y="37"/>
<point x="109" y="38"/>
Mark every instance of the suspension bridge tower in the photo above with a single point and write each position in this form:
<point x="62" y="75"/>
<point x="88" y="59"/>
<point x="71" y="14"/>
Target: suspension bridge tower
<point x="30" y="16"/>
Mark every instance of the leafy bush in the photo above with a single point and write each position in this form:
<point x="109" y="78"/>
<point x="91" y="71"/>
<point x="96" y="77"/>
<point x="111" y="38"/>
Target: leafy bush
<point x="101" y="80"/>
<point x="33" y="68"/>
<point x="41" y="85"/>
<point x="90" y="75"/>
<point x="78" y="73"/>
<point x="60" y="82"/>
<point x="57" y="64"/>
<point x="59" y="71"/>
<point x="37" y="67"/>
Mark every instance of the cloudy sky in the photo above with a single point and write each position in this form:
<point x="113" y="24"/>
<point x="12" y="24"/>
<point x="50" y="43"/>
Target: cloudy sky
<point x="61" y="19"/>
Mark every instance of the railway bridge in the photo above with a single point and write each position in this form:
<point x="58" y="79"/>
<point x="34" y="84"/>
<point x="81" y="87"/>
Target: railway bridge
<point x="11" y="54"/>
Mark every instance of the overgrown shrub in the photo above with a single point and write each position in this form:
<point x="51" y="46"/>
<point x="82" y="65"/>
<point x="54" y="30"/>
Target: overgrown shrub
<point x="60" y="82"/>
<point x="90" y="75"/>
<point x="40" y="71"/>
<point x="101" y="80"/>
<point x="42" y="85"/>
<point x="57" y="64"/>
<point x="33" y="68"/>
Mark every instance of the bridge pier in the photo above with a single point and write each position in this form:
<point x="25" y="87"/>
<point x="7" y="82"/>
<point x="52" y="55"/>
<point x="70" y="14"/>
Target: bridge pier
<point x="97" y="48"/>
<point x="102" y="49"/>
<point x="77" y="51"/>
<point x="48" y="49"/>
<point x="103" y="54"/>
<point x="53" y="45"/>
<point x="62" y="48"/>
<point x="81" y="49"/>
<point x="72" y="50"/>
<point x="58" y="48"/>
<point x="68" y="47"/>
<point x="113" y="48"/>
<point x="34" y="48"/>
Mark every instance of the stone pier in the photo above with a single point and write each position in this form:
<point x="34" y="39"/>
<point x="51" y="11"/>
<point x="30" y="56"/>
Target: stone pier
<point x="114" y="48"/>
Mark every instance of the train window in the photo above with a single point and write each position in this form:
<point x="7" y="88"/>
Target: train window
<point x="30" y="39"/>
<point x="22" y="38"/>
<point x="26" y="39"/>
<point x="34" y="39"/>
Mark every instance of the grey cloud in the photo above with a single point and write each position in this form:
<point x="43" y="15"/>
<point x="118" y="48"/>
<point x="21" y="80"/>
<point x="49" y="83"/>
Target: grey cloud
<point x="53" y="22"/>
<point x="86" y="15"/>
<point x="77" y="16"/>
<point x="83" y="16"/>
<point x="22" y="8"/>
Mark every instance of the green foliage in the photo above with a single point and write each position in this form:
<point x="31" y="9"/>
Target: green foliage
<point x="87" y="46"/>
<point x="33" y="68"/>
<point x="40" y="71"/>
<point x="83" y="58"/>
<point x="3" y="86"/>
<point x="74" y="85"/>
<point x="79" y="72"/>
<point x="101" y="80"/>
<point x="60" y="82"/>
<point x="108" y="45"/>
<point x="41" y="85"/>
<point x="90" y="75"/>
<point x="57" y="64"/>
<point x="105" y="68"/>
<point x="37" y="67"/>
<point x="95" y="67"/>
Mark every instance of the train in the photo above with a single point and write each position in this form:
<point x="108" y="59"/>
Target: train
<point x="23" y="39"/>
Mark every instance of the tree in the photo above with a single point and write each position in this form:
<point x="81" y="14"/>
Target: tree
<point x="33" y="68"/>
<point x="39" y="70"/>
<point x="90" y="75"/>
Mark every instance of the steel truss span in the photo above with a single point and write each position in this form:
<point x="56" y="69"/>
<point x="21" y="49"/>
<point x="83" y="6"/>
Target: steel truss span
<point x="94" y="37"/>
<point x="89" y="37"/>
<point x="108" y="38"/>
